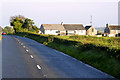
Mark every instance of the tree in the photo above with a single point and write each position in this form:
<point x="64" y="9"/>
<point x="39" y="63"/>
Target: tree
<point x="16" y="23"/>
<point x="35" y="28"/>
<point x="21" y="24"/>
<point x="19" y="16"/>
<point x="8" y="30"/>
<point x="28" y="23"/>
<point x="1" y="29"/>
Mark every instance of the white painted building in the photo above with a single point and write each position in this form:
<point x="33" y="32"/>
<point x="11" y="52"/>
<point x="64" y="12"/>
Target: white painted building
<point x="112" y="30"/>
<point x="63" y="29"/>
<point x="52" y="29"/>
<point x="74" y="29"/>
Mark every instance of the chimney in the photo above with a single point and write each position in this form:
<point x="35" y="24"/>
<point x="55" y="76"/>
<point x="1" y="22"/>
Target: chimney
<point x="61" y="23"/>
<point x="107" y="25"/>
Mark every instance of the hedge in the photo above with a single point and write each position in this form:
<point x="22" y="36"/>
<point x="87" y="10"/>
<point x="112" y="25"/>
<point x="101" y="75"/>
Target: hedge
<point x="112" y="51"/>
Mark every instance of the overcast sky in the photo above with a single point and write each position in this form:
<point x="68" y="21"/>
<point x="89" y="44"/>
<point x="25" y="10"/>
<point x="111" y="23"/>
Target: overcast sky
<point x="57" y="11"/>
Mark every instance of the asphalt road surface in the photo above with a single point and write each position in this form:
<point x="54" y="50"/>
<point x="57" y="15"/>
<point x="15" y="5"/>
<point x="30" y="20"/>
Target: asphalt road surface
<point x="25" y="58"/>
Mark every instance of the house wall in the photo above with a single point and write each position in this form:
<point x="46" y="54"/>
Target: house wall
<point x="52" y="32"/>
<point x="80" y="32"/>
<point x="70" y="32"/>
<point x="62" y="32"/>
<point x="76" y="32"/>
<point x="114" y="32"/>
<point x="90" y="32"/>
<point x="111" y="35"/>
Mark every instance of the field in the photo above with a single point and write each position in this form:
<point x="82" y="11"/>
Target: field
<point x="102" y="53"/>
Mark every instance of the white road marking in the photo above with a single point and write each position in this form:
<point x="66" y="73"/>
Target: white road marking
<point x="38" y="67"/>
<point x="23" y="46"/>
<point x="26" y="50"/>
<point x="31" y="56"/>
<point x="21" y="43"/>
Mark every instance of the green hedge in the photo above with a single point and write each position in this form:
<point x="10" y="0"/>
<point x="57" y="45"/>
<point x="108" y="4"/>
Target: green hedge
<point x="112" y="51"/>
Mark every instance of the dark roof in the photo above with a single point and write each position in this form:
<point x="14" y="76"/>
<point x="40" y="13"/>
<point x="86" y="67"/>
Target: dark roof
<point x="73" y="27"/>
<point x="87" y="27"/>
<point x="114" y="27"/>
<point x="53" y="27"/>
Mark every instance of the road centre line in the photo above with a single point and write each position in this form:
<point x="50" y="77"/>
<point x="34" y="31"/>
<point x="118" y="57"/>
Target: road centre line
<point x="23" y="46"/>
<point x="31" y="56"/>
<point x="21" y="43"/>
<point x="38" y="67"/>
<point x="26" y="50"/>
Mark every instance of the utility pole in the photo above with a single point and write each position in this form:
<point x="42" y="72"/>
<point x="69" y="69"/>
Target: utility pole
<point x="91" y="20"/>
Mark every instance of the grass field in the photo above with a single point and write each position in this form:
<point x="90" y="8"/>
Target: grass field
<point x="102" y="53"/>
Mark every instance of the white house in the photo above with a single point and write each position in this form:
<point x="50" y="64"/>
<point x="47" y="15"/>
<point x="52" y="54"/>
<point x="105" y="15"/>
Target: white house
<point x="74" y="29"/>
<point x="112" y="30"/>
<point x="52" y="29"/>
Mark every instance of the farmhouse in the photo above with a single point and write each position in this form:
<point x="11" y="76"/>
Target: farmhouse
<point x="90" y="30"/>
<point x="112" y="30"/>
<point x="74" y="29"/>
<point x="52" y="29"/>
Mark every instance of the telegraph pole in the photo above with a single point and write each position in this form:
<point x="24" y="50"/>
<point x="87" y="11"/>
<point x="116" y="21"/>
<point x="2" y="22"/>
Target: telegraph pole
<point x="91" y="20"/>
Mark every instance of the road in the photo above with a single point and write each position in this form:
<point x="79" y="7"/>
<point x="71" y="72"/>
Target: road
<point x="25" y="58"/>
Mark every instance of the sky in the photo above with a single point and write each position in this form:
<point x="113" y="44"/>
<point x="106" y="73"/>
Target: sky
<point x="57" y="11"/>
<point x="119" y="13"/>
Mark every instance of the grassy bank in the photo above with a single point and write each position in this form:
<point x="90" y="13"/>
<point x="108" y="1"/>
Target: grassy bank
<point x="101" y="53"/>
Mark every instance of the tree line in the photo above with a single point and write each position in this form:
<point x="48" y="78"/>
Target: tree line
<point x="20" y="24"/>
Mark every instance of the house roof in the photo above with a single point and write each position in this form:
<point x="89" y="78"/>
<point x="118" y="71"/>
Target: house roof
<point x="73" y="27"/>
<point x="53" y="27"/>
<point x="114" y="27"/>
<point x="87" y="27"/>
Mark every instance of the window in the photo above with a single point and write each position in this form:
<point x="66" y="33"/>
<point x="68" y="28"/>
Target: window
<point x="57" y="31"/>
<point x="92" y="30"/>
<point x="81" y="31"/>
